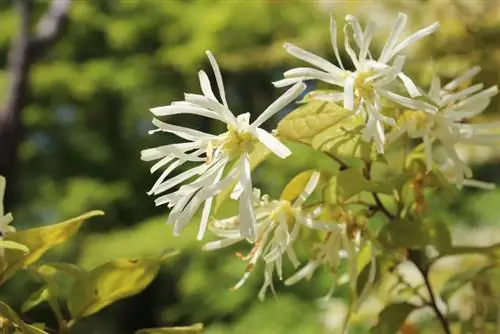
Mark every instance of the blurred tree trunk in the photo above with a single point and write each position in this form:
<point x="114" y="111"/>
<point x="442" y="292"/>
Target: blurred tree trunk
<point x="26" y="48"/>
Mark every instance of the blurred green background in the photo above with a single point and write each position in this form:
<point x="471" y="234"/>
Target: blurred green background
<point x="87" y="118"/>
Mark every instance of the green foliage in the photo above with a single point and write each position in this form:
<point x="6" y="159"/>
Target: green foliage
<point x="193" y="329"/>
<point x="110" y="282"/>
<point x="392" y="318"/>
<point x="38" y="241"/>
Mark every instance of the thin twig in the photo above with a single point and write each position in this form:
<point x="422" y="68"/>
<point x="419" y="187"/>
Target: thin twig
<point x="424" y="270"/>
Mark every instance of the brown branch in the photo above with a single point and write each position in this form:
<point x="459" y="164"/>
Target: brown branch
<point x="25" y="50"/>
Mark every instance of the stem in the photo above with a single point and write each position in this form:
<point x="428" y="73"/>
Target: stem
<point x="381" y="206"/>
<point x="432" y="302"/>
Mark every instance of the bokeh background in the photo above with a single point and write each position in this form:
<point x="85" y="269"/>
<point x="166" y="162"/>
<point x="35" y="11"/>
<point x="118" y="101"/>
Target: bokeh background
<point x="85" y="119"/>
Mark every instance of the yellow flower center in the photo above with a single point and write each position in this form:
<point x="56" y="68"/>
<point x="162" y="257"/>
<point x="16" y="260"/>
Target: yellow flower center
<point x="364" y="90"/>
<point x="237" y="142"/>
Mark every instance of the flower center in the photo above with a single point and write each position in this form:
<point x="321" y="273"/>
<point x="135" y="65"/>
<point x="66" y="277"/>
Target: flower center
<point x="238" y="141"/>
<point x="363" y="89"/>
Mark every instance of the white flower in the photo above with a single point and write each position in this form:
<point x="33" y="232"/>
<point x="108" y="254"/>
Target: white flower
<point x="448" y="125"/>
<point x="212" y="154"/>
<point x="5" y="219"/>
<point x="279" y="223"/>
<point x="362" y="88"/>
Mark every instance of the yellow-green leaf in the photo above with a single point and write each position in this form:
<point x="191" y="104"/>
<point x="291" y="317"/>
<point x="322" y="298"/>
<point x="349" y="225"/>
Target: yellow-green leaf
<point x="344" y="139"/>
<point x="309" y="120"/>
<point x="110" y="282"/>
<point x="10" y="315"/>
<point x="295" y="187"/>
<point x="39" y="240"/>
<point x="35" y="298"/>
<point x="193" y="329"/>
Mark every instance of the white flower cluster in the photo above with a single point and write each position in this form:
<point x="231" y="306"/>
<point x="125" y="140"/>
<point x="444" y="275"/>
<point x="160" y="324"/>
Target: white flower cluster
<point x="212" y="154"/>
<point x="278" y="226"/>
<point x="373" y="88"/>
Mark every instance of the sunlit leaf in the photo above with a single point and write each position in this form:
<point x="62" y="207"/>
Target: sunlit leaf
<point x="39" y="240"/>
<point x="392" y="318"/>
<point x="309" y="120"/>
<point x="110" y="282"/>
<point x="295" y="187"/>
<point x="193" y="329"/>
<point x="35" y="298"/>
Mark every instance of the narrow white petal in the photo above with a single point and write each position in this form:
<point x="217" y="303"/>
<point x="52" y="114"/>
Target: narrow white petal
<point x="206" y="88"/>
<point x="349" y="93"/>
<point x="463" y="78"/>
<point x="164" y="175"/>
<point x="487" y="93"/>
<point x="350" y="51"/>
<point x="218" y="244"/>
<point x="176" y="110"/>
<point x="367" y="38"/>
<point x="284" y="100"/>
<point x="180" y="178"/>
<point x="290" y="81"/>
<point x="396" y="30"/>
<point x="333" y="39"/>
<point x="176" y="150"/>
<point x="450" y="98"/>
<point x="358" y="32"/>
<point x="246" y="210"/>
<point x="435" y="88"/>
<point x="306" y="271"/>
<point x="183" y="132"/>
<point x="272" y="143"/>
<point x="218" y="77"/>
<point x="414" y="37"/>
<point x="307" y="73"/>
<point x="164" y="161"/>
<point x="205" y="215"/>
<point x="479" y="184"/>
<point x="236" y="192"/>
<point x="213" y="105"/>
<point x="308" y="189"/>
<point x="311" y="58"/>
<point x="407" y="102"/>
<point x="409" y="85"/>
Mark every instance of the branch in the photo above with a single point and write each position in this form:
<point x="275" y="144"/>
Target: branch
<point x="50" y="27"/>
<point x="415" y="257"/>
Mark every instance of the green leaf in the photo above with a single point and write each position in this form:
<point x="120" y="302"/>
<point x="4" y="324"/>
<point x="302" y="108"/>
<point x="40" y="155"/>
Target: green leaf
<point x="453" y="284"/>
<point x="7" y="312"/>
<point x="258" y="155"/>
<point x="35" y="298"/>
<point x="309" y="120"/>
<point x="403" y="233"/>
<point x="492" y="251"/>
<point x="7" y="244"/>
<point x="39" y="240"/>
<point x="439" y="235"/>
<point x="392" y="318"/>
<point x="110" y="282"/>
<point x="344" y="139"/>
<point x="193" y="329"/>
<point x="296" y="186"/>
